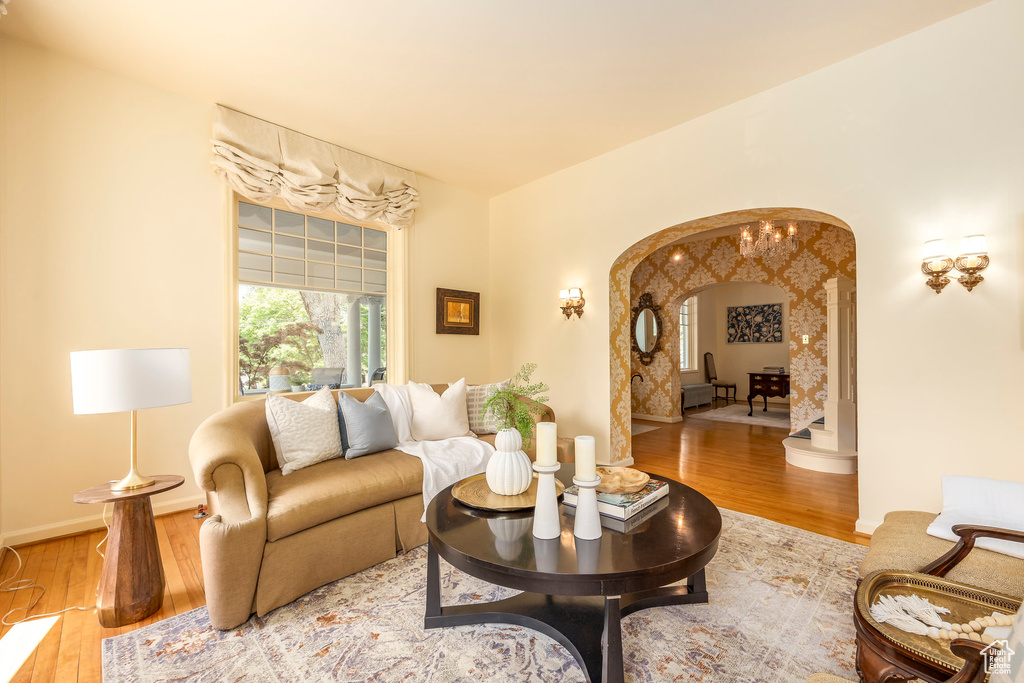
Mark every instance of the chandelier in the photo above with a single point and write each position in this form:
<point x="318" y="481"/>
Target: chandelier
<point x="770" y="242"/>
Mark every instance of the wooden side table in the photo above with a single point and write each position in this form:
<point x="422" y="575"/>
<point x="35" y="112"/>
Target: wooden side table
<point x="766" y="384"/>
<point x="132" y="582"/>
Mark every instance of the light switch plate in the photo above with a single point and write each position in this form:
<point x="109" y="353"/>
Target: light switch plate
<point x="807" y="339"/>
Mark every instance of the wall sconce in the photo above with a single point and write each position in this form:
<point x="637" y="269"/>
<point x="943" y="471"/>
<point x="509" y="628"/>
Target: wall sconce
<point x="972" y="260"/>
<point x="935" y="263"/>
<point x="572" y="302"/>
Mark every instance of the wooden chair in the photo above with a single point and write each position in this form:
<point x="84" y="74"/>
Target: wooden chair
<point x="709" y="368"/>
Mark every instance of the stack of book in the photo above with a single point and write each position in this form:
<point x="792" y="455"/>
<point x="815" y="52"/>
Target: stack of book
<point x="775" y="369"/>
<point x="623" y="508"/>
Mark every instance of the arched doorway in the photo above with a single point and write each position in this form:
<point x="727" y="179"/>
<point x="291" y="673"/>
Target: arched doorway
<point x="721" y="262"/>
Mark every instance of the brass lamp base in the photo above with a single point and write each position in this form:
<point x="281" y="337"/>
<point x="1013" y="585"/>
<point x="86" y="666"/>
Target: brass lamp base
<point x="134" y="480"/>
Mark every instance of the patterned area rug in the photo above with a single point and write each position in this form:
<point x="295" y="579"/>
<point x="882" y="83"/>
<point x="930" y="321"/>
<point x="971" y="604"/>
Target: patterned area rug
<point x="775" y="417"/>
<point x="780" y="609"/>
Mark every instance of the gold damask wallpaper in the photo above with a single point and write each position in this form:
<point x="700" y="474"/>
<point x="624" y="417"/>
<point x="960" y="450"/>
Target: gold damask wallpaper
<point x="825" y="252"/>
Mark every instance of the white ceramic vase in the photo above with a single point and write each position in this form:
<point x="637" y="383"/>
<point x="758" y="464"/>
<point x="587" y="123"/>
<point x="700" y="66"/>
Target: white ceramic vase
<point x="509" y="470"/>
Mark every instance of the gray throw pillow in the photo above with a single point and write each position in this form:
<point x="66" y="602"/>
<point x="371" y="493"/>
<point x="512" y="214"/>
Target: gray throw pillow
<point x="365" y="427"/>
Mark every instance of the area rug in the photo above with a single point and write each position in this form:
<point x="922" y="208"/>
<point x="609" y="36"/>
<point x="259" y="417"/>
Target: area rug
<point x="637" y="428"/>
<point x="775" y="417"/>
<point x="780" y="609"/>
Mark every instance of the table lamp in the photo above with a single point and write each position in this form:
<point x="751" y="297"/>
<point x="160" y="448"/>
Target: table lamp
<point x="119" y="380"/>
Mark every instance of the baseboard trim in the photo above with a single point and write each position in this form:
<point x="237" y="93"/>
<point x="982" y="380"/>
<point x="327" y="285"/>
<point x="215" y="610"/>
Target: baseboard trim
<point x="866" y="526"/>
<point x="90" y="523"/>
<point x="656" y="418"/>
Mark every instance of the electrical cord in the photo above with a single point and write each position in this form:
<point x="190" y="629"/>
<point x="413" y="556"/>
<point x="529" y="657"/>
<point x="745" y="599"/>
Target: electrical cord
<point x="15" y="584"/>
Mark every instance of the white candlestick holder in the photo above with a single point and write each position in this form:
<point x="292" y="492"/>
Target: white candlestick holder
<point x="588" y="520"/>
<point x="547" y="523"/>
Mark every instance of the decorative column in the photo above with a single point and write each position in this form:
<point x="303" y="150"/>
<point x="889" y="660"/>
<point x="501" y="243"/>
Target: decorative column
<point x="840" y="433"/>
<point x="373" y="339"/>
<point x="353" y="369"/>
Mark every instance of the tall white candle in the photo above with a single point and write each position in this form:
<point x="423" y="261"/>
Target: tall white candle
<point x="586" y="459"/>
<point x="547" y="444"/>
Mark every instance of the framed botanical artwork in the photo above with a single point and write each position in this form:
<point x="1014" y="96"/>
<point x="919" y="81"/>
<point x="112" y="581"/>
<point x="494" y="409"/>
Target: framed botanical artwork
<point x="458" y="312"/>
<point x="755" y="324"/>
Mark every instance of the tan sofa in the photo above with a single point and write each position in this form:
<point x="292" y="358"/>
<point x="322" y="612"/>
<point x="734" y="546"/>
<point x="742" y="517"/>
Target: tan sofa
<point x="902" y="543"/>
<point x="271" y="538"/>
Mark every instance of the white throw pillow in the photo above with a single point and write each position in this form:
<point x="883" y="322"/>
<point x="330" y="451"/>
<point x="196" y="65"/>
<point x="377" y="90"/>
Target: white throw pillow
<point x="476" y="396"/>
<point x="438" y="417"/>
<point x="984" y="502"/>
<point x="304" y="433"/>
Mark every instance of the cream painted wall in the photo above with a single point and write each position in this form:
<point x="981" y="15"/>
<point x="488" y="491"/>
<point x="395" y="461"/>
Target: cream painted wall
<point x="734" y="361"/>
<point x="916" y="139"/>
<point x="95" y="256"/>
<point x="448" y="249"/>
<point x="112" y="235"/>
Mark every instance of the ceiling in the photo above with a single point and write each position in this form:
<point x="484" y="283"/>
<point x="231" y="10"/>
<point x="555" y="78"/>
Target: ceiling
<point x="484" y="94"/>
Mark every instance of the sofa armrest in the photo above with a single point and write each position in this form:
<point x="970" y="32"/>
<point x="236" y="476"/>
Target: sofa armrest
<point x="226" y="465"/>
<point x="969" y="534"/>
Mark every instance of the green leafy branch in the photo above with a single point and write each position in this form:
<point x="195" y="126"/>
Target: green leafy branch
<point x="511" y="410"/>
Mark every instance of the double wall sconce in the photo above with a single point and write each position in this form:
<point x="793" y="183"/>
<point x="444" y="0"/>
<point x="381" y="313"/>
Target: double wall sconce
<point x="572" y="302"/>
<point x="936" y="262"/>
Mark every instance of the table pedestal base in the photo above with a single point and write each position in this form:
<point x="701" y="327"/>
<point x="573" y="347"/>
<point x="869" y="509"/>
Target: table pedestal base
<point x="132" y="582"/>
<point x="589" y="627"/>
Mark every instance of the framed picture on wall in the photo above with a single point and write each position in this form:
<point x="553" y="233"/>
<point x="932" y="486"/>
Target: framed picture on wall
<point x="458" y="312"/>
<point x="755" y="324"/>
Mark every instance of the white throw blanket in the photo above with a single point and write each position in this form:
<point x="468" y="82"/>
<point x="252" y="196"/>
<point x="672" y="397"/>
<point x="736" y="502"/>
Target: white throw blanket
<point x="444" y="462"/>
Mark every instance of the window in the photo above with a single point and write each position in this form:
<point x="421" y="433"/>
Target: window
<point x="312" y="300"/>
<point x="688" y="335"/>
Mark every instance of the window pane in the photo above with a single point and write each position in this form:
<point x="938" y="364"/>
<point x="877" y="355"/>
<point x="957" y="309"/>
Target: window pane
<point x="320" y="251"/>
<point x="253" y="267"/>
<point x="350" y="234"/>
<point x="375" y="280"/>
<point x="375" y="259"/>
<point x="350" y="256"/>
<point x="320" y="228"/>
<point x="291" y="223"/>
<point x="292" y="247"/>
<point x="254" y="240"/>
<point x="321" y="275"/>
<point x="375" y="239"/>
<point x="252" y="216"/>
<point x="350" y="279"/>
<point x="289" y="272"/>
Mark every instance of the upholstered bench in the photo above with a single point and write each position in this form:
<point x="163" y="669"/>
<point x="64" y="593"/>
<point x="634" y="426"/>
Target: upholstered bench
<point x="696" y="395"/>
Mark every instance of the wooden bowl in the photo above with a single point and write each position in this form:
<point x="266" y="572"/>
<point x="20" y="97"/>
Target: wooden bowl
<point x="621" y="480"/>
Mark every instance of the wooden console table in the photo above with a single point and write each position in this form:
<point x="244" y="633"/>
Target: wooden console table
<point x="132" y="582"/>
<point x="766" y="384"/>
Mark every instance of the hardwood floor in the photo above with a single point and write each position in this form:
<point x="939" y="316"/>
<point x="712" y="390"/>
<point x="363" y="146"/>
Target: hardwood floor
<point x="69" y="569"/>
<point x="739" y="467"/>
<point x="743" y="468"/>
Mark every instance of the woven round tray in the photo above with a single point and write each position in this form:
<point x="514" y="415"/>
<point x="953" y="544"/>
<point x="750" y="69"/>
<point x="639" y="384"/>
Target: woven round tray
<point x="621" y="480"/>
<point x="474" y="492"/>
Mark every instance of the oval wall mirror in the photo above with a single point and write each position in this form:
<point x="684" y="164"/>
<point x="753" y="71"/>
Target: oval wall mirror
<point x="646" y="328"/>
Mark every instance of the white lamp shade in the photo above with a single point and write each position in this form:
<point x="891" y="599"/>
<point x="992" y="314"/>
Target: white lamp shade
<point x="973" y="245"/>
<point x="563" y="294"/>
<point x="935" y="249"/>
<point x="119" y="380"/>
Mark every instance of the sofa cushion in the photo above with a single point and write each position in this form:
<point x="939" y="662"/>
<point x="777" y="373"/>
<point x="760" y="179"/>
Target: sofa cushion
<point x="366" y="426"/>
<point x="335" y="488"/>
<point x="902" y="543"/>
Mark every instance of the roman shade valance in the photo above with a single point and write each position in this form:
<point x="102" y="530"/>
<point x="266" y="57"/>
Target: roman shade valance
<point x="260" y="160"/>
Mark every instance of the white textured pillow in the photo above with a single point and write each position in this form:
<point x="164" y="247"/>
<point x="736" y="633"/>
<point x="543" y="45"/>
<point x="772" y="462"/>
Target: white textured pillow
<point x="438" y="417"/>
<point x="399" y="405"/>
<point x="304" y="433"/>
<point x="476" y="396"/>
<point x="984" y="502"/>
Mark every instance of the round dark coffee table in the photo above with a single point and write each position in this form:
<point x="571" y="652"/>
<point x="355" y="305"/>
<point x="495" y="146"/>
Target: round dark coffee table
<point x="576" y="591"/>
